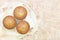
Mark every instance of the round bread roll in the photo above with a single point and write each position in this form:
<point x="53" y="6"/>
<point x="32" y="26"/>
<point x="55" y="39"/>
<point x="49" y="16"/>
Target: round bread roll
<point x="20" y="12"/>
<point x="23" y="27"/>
<point x="9" y="22"/>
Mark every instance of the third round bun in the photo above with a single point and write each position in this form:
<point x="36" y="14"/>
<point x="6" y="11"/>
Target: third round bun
<point x="23" y="27"/>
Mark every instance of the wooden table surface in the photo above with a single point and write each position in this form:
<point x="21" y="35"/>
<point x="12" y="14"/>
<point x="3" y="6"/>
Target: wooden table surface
<point x="48" y="18"/>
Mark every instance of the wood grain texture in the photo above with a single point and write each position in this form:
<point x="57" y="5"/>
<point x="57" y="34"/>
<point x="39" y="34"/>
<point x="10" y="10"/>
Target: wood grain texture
<point x="48" y="18"/>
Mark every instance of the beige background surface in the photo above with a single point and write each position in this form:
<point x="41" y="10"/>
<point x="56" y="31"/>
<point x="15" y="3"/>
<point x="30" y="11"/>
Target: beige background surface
<point x="48" y="18"/>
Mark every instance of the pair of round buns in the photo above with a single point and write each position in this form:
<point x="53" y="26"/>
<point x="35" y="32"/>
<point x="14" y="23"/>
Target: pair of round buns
<point x="20" y="13"/>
